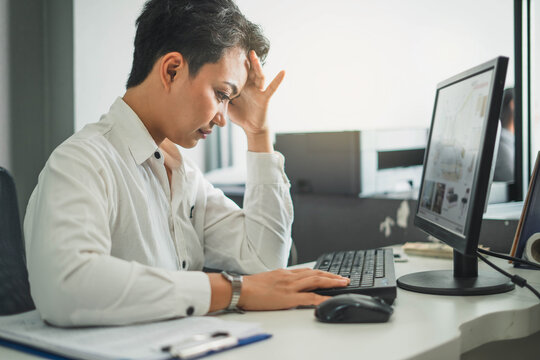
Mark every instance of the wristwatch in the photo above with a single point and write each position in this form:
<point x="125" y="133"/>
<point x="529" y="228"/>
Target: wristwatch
<point x="236" y="283"/>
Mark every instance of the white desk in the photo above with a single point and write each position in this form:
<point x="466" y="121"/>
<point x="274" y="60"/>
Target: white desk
<point x="422" y="326"/>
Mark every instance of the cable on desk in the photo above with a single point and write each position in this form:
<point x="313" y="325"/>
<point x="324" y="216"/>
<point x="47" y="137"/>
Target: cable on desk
<point x="516" y="279"/>
<point x="506" y="257"/>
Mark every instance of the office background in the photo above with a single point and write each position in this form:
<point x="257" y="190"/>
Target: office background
<point x="357" y="65"/>
<point x="350" y="65"/>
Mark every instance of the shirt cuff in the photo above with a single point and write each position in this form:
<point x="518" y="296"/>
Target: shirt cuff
<point x="193" y="293"/>
<point x="266" y="168"/>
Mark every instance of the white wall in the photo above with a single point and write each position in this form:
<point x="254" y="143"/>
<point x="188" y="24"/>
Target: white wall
<point x="4" y="87"/>
<point x="104" y="33"/>
<point x="359" y="64"/>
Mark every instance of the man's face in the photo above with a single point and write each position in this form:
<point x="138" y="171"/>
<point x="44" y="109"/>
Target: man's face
<point x="196" y="104"/>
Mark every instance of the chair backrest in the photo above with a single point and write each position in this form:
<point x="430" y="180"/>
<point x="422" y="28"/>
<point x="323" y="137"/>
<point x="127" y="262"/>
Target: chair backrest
<point x="14" y="287"/>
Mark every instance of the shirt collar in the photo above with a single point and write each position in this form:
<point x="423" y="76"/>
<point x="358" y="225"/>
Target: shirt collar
<point x="133" y="132"/>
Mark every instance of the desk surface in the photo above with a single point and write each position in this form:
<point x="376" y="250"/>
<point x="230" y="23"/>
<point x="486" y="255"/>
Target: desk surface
<point x="422" y="326"/>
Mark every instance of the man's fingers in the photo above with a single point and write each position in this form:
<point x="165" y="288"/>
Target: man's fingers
<point x="307" y="299"/>
<point x="318" y="282"/>
<point x="306" y="272"/>
<point x="271" y="89"/>
<point x="301" y="270"/>
<point x="256" y="74"/>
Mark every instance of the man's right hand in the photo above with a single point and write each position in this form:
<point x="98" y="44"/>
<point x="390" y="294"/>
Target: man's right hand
<point x="285" y="289"/>
<point x="275" y="290"/>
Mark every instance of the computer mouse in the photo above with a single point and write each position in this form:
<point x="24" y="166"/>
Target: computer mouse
<point x="353" y="308"/>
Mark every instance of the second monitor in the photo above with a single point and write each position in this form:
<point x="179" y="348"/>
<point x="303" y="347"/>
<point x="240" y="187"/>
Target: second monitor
<point x="354" y="162"/>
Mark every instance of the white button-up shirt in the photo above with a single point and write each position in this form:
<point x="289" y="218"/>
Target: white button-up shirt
<point x="109" y="238"/>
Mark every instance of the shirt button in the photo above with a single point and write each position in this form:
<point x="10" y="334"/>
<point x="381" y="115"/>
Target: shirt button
<point x="157" y="155"/>
<point x="190" y="310"/>
<point x="184" y="264"/>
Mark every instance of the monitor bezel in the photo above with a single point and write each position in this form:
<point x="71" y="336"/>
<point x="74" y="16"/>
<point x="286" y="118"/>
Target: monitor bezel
<point x="467" y="243"/>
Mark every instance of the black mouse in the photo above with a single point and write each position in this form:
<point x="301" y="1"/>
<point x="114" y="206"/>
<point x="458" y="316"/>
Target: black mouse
<point x="353" y="308"/>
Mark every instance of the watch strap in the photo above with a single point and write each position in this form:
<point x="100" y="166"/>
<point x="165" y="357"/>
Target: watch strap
<point x="236" y="284"/>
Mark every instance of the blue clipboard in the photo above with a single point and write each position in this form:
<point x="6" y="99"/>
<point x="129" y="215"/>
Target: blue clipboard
<point x="241" y="342"/>
<point x="31" y="350"/>
<point x="47" y="355"/>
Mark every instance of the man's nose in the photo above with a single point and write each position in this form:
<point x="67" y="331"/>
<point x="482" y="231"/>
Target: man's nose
<point x="220" y="119"/>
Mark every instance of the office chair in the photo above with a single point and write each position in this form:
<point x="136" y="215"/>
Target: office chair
<point x="14" y="287"/>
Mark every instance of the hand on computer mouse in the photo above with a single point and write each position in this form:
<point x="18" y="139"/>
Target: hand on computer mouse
<point x="353" y="308"/>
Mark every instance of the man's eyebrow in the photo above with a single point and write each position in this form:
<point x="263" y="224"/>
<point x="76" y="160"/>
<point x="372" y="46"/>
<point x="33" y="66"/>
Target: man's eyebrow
<point x="233" y="87"/>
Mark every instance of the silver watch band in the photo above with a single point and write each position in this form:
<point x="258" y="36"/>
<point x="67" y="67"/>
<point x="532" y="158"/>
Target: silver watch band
<point x="236" y="283"/>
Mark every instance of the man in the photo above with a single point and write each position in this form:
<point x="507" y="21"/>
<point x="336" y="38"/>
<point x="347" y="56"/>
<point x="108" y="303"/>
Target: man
<point x="120" y="225"/>
<point x="504" y="166"/>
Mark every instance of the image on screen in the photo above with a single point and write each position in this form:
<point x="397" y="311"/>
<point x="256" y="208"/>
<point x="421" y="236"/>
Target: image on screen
<point x="451" y="164"/>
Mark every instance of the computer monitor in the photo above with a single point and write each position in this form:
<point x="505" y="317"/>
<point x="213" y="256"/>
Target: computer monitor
<point x="456" y="178"/>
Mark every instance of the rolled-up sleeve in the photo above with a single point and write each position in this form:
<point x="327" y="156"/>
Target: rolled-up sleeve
<point x="257" y="237"/>
<point x="74" y="279"/>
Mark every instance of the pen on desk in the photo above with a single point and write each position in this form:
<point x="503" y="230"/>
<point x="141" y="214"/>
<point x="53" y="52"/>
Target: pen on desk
<point x="201" y="344"/>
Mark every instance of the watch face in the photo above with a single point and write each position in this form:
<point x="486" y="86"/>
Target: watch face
<point x="231" y="277"/>
<point x="227" y="276"/>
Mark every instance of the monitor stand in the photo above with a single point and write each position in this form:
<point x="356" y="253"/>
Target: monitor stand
<point x="463" y="280"/>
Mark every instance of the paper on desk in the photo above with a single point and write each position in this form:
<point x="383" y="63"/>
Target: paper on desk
<point x="143" y="341"/>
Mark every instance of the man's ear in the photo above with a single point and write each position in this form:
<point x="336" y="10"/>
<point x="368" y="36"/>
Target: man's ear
<point x="171" y="67"/>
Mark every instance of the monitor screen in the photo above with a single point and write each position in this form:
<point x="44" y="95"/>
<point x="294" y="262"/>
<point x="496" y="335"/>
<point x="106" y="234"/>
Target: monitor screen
<point x="460" y="118"/>
<point x="456" y="178"/>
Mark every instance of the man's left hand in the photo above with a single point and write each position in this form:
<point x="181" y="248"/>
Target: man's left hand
<point x="249" y="110"/>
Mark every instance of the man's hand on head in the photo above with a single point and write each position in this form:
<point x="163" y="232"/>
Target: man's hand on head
<point x="249" y="110"/>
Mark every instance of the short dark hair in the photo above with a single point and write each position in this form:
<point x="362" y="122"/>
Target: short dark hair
<point x="201" y="30"/>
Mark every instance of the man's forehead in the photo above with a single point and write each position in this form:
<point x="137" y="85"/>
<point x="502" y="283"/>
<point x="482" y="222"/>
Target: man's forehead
<point x="231" y="70"/>
<point x="236" y="66"/>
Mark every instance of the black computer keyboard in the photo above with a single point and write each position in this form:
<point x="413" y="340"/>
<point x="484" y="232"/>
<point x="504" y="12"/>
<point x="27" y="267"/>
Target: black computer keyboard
<point x="371" y="272"/>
